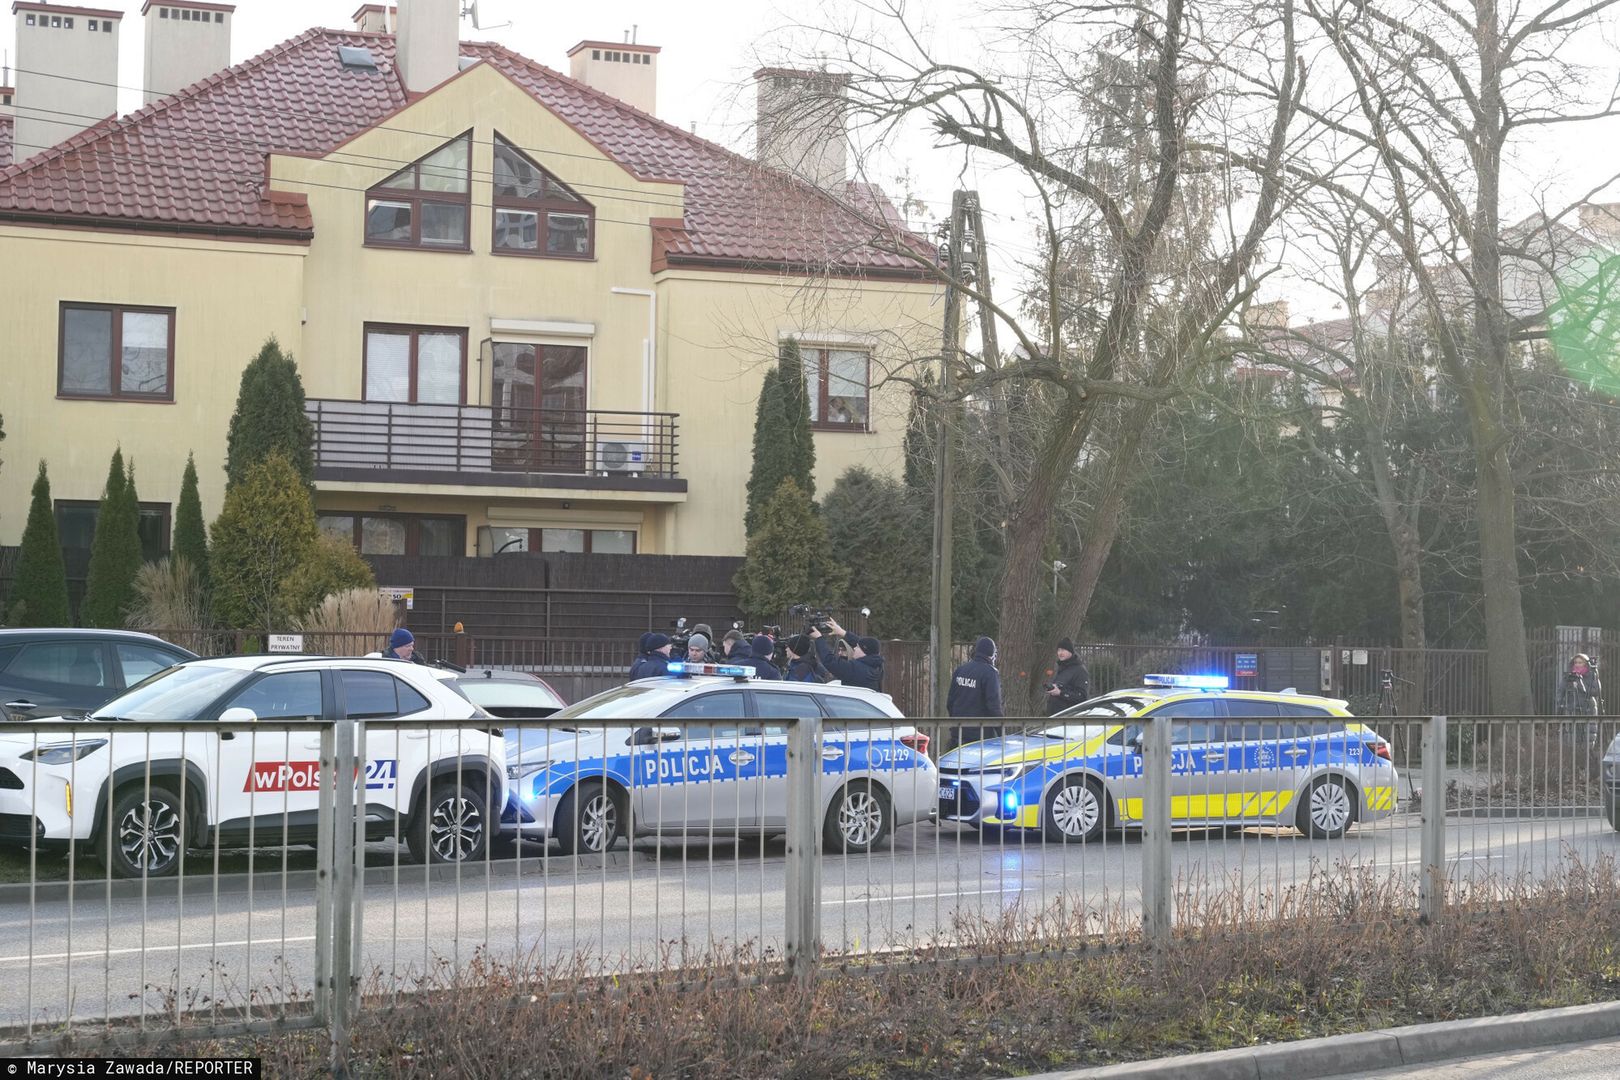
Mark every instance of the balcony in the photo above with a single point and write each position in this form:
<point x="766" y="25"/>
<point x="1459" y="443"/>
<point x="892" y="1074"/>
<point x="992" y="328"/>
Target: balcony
<point x="494" y="446"/>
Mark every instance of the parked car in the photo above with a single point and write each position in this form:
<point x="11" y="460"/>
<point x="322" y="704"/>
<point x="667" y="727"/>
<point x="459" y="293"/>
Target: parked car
<point x="1240" y="757"/>
<point x="140" y="800"/>
<point x="1611" y="783"/>
<point x="704" y="751"/>
<point x="70" y="672"/>
<point x="511" y="695"/>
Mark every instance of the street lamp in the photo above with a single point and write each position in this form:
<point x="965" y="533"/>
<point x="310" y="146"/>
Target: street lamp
<point x="1058" y="566"/>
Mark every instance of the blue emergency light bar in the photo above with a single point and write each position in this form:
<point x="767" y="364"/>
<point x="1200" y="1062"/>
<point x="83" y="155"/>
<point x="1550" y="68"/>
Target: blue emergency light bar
<point x="735" y="671"/>
<point x="1189" y="682"/>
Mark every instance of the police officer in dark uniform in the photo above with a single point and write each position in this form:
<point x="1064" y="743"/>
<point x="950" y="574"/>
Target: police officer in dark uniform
<point x="975" y="694"/>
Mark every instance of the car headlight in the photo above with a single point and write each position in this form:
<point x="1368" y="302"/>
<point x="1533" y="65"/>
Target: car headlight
<point x="526" y="768"/>
<point x="63" y="753"/>
<point x="1014" y="772"/>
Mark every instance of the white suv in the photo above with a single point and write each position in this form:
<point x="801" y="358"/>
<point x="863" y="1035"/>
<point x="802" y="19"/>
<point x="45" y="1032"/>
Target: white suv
<point x="140" y="799"/>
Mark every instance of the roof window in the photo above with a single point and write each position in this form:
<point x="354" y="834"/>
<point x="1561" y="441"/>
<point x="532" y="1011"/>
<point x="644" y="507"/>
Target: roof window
<point x="356" y="58"/>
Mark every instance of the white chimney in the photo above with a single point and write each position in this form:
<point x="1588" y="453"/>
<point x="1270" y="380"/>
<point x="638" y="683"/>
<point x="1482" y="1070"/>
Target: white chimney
<point x="428" y="49"/>
<point x="375" y="18"/>
<point x="186" y="42"/>
<point x="800" y="124"/>
<point x="626" y="71"/>
<point x="67" y="72"/>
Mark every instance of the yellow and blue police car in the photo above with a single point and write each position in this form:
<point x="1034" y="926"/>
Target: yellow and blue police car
<point x="1237" y="757"/>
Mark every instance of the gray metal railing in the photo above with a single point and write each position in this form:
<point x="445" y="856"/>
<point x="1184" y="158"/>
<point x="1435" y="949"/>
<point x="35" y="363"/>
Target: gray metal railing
<point x="722" y="855"/>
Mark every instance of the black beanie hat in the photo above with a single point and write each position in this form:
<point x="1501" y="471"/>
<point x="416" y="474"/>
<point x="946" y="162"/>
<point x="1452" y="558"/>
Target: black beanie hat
<point x="1067" y="645"/>
<point x="799" y="645"/>
<point x="871" y="646"/>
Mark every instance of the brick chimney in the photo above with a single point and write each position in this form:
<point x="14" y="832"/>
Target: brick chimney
<point x="67" y="72"/>
<point x="800" y="124"/>
<point x="375" y="18"/>
<point x="428" y="48"/>
<point x="627" y="71"/>
<point x="186" y="42"/>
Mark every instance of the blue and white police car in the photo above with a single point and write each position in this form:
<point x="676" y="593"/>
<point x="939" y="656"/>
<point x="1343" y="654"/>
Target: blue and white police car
<point x="1237" y="757"/>
<point x="703" y="752"/>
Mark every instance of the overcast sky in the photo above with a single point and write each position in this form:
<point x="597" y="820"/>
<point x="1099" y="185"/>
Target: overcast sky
<point x="710" y="48"/>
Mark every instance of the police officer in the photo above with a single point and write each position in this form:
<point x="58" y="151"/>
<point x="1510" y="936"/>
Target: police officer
<point x="863" y="668"/>
<point x="975" y="694"/>
<point x="654" y="658"/>
<point x="1071" y="682"/>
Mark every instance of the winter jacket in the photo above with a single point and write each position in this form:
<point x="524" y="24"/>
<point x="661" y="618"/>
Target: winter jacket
<point x="976" y="685"/>
<point x="649" y="666"/>
<point x="867" y="672"/>
<point x="1074" y="685"/>
<point x="802" y="670"/>
<point x="762" y="649"/>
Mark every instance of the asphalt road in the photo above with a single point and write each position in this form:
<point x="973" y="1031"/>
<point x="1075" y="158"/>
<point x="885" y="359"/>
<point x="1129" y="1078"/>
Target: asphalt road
<point x="673" y="903"/>
<point x="1587" y="1061"/>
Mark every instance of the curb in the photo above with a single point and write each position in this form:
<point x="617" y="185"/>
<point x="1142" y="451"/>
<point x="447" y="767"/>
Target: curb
<point x="202" y="885"/>
<point x="1366" y="1051"/>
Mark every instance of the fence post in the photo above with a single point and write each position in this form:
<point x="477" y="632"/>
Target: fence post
<point x="1156" y="898"/>
<point x="1432" y="885"/>
<point x="324" y="875"/>
<point x="803" y="931"/>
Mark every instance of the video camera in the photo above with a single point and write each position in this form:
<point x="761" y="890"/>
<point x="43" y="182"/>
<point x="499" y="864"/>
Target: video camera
<point x="815" y="618"/>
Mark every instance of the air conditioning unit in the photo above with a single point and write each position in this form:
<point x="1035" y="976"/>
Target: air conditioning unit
<point x="620" y="456"/>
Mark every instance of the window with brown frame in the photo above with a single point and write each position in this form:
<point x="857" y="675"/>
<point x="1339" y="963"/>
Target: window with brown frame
<point x="427" y="204"/>
<point x="76" y="526"/>
<point x="421" y="364"/>
<point x="537" y="214"/>
<point x="584" y="541"/>
<point x="398" y="534"/>
<point x="115" y="351"/>
<point x="839" y="383"/>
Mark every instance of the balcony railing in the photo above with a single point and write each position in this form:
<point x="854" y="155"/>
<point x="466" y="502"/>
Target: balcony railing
<point x="491" y="444"/>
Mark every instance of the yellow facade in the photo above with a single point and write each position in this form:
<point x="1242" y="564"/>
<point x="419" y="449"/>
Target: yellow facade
<point x="716" y="332"/>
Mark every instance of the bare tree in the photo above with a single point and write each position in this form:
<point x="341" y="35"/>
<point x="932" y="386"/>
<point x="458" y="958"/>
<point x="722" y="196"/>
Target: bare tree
<point x="1426" y="103"/>
<point x="1114" y="338"/>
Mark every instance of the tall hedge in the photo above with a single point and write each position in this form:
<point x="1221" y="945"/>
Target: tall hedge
<point x="789" y="560"/>
<point x="190" y="534"/>
<point x="783" y="446"/>
<point x="270" y="418"/>
<point x="39" y="594"/>
<point x="115" y="551"/>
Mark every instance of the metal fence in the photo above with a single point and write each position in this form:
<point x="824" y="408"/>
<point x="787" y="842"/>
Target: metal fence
<point x="771" y="847"/>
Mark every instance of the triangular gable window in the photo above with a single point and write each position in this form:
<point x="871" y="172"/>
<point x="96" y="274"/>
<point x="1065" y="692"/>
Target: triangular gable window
<point x="426" y="204"/>
<point x="536" y="213"/>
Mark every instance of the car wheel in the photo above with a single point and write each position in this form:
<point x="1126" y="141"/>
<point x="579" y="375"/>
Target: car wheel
<point x="147" y="835"/>
<point x="858" y="819"/>
<point x="1075" y="812"/>
<point x="451" y="827"/>
<point x="1328" y="809"/>
<point x="589" y="820"/>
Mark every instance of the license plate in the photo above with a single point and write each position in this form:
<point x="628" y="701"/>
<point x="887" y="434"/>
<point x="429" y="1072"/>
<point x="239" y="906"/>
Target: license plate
<point x="947" y="792"/>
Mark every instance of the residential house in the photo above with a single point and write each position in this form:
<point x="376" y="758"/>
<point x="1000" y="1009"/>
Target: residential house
<point x="529" y="315"/>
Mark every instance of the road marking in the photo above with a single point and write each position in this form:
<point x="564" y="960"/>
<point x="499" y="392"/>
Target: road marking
<point x="926" y="896"/>
<point x="38" y="957"/>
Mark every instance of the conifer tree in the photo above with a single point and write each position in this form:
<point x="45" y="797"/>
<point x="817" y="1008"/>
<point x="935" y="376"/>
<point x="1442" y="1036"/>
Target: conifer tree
<point x="783" y="445"/>
<point x="39" y="594"/>
<point x="270" y="417"/>
<point x="789" y="560"/>
<point x="115" y="551"/>
<point x="190" y="534"/>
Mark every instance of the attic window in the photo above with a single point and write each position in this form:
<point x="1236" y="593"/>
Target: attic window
<point x="356" y="58"/>
<point x="537" y="214"/>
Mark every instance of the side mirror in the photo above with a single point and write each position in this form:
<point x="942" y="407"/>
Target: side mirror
<point x="1135" y="745"/>
<point x="646" y="736"/>
<point x="239" y="716"/>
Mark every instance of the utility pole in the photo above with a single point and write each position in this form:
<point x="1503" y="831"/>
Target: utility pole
<point x="939" y="634"/>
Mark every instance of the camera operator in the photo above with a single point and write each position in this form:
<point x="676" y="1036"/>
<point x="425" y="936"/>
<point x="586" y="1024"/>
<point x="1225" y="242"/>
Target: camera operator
<point x="975" y="693"/>
<point x="864" y="668"/>
<point x="654" y="658"/>
<point x="1071" y="682"/>
<point x="1580" y="692"/>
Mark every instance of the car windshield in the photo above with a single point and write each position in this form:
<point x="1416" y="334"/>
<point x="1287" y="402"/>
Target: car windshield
<point x="491" y="693"/>
<point x="621" y="703"/>
<point x="177" y="693"/>
<point x="1114" y="705"/>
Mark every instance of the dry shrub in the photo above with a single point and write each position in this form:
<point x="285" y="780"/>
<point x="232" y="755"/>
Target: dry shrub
<point x="1541" y="764"/>
<point x="170" y="601"/>
<point x="348" y="623"/>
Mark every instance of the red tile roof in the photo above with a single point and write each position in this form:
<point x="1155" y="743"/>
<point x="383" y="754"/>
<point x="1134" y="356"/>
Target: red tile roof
<point x="195" y="161"/>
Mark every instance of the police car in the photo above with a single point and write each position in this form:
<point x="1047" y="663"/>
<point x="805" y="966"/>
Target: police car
<point x="139" y="799"/>
<point x="703" y="751"/>
<point x="1237" y="756"/>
